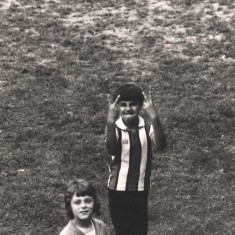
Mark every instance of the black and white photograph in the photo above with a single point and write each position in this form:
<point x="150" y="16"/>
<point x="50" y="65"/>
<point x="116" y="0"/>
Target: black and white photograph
<point x="117" y="117"/>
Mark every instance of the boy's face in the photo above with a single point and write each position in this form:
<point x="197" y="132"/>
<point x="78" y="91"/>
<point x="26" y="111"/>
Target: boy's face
<point x="129" y="110"/>
<point x="82" y="207"/>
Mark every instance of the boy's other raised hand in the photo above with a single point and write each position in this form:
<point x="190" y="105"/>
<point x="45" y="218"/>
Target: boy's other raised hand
<point x="113" y="109"/>
<point x="148" y="105"/>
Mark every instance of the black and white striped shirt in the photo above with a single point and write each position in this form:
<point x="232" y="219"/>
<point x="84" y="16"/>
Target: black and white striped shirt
<point x="130" y="169"/>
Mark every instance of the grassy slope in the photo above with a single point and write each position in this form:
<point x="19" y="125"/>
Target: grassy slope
<point x="58" y="61"/>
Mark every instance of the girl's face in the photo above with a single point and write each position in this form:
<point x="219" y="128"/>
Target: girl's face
<point x="82" y="207"/>
<point x="129" y="110"/>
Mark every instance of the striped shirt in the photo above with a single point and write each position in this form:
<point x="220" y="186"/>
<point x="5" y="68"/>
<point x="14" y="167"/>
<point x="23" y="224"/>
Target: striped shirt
<point x="130" y="169"/>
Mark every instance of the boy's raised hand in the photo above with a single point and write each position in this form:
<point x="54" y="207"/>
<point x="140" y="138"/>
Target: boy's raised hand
<point x="113" y="109"/>
<point x="148" y="105"/>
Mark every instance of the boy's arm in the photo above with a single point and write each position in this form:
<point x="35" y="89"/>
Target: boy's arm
<point x="111" y="138"/>
<point x="158" y="136"/>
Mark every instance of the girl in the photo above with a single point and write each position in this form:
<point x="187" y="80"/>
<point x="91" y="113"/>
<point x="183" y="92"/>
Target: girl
<point x="80" y="203"/>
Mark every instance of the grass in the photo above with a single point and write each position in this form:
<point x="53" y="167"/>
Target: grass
<point x="60" y="59"/>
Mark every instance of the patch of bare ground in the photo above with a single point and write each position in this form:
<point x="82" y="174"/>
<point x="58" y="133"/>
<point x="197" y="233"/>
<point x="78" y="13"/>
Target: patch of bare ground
<point x="164" y="21"/>
<point x="6" y="4"/>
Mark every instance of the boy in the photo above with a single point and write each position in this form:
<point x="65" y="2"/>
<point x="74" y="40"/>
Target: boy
<point x="129" y="144"/>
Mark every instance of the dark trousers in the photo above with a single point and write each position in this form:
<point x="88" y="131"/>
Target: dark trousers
<point x="129" y="212"/>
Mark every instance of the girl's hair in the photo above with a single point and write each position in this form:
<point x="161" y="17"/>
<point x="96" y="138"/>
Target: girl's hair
<point x="129" y="92"/>
<point x="80" y="187"/>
